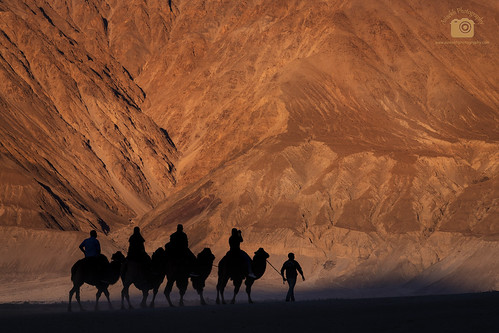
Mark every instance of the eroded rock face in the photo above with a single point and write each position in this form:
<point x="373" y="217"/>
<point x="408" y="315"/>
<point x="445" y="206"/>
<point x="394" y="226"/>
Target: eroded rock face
<point x="341" y="131"/>
<point x="77" y="150"/>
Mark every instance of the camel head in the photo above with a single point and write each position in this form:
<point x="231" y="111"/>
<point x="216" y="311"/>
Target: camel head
<point x="118" y="257"/>
<point x="260" y="253"/>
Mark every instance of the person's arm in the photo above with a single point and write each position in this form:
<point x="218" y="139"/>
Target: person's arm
<point x="282" y="273"/>
<point x="298" y="267"/>
<point x="82" y="245"/>
<point x="98" y="247"/>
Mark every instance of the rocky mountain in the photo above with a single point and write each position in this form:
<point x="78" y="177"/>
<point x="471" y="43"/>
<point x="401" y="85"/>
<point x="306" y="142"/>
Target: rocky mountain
<point x="360" y="135"/>
<point x="77" y="150"/>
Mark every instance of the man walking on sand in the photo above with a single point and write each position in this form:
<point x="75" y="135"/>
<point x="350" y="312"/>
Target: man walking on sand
<point x="292" y="267"/>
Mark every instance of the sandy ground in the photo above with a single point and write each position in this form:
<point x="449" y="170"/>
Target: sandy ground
<point x="41" y="305"/>
<point x="450" y="313"/>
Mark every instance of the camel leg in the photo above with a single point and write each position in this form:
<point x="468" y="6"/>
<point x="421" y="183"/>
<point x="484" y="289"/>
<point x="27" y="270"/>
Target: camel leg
<point x="218" y="295"/>
<point x="71" y="292"/>
<point x="168" y="290"/>
<point x="145" y="294"/>
<point x="248" y="290"/>
<point x="78" y="299"/>
<point x="237" y="286"/>
<point x="123" y="298"/>
<point x="182" y="288"/>
<point x="201" y="297"/>
<point x="125" y="294"/>
<point x="222" y="282"/>
<point x="97" y="296"/>
<point x="106" y="293"/>
<point x="182" y="293"/>
<point x="154" y="293"/>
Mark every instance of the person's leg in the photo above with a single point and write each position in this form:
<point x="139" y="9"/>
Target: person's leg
<point x="247" y="259"/>
<point x="288" y="295"/>
<point x="292" y="283"/>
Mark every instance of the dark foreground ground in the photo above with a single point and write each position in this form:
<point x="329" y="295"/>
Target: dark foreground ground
<point x="450" y="313"/>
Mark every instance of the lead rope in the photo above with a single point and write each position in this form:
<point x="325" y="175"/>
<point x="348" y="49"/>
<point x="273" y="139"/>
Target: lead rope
<point x="275" y="270"/>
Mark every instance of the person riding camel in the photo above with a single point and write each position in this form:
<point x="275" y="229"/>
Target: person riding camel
<point x="179" y="239"/>
<point x="179" y="243"/>
<point x="91" y="246"/>
<point x="136" y="249"/>
<point x="235" y="241"/>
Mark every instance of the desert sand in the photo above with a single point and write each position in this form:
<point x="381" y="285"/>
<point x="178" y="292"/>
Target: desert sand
<point x="42" y="306"/>
<point x="450" y="313"/>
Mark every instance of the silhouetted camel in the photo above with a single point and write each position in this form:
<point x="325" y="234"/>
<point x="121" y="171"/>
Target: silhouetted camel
<point x="159" y="271"/>
<point x="178" y="270"/>
<point x="98" y="272"/>
<point x="203" y="265"/>
<point x="145" y="274"/>
<point x="233" y="267"/>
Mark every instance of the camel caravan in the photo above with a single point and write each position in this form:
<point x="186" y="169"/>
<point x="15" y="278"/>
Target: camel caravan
<point x="175" y="261"/>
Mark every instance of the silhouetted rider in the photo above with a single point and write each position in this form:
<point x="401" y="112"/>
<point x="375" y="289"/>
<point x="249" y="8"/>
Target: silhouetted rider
<point x="136" y="249"/>
<point x="91" y="246"/>
<point x="180" y="245"/>
<point x="179" y="238"/>
<point x="235" y="241"/>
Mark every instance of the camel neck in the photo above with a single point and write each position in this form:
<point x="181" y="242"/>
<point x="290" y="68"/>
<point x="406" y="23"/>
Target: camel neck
<point x="259" y="266"/>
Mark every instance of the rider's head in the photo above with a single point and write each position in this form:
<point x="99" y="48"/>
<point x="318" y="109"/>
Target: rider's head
<point x="234" y="231"/>
<point x="180" y="227"/>
<point x="291" y="256"/>
<point x="93" y="233"/>
<point x="136" y="230"/>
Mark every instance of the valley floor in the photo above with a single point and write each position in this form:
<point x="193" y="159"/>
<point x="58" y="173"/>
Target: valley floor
<point x="443" y="313"/>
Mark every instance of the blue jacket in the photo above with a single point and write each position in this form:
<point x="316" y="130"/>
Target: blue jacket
<point x="91" y="247"/>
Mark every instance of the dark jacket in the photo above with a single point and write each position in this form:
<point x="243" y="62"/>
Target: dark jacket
<point x="235" y="241"/>
<point x="179" y="240"/>
<point x="292" y="267"/>
<point x="136" y="247"/>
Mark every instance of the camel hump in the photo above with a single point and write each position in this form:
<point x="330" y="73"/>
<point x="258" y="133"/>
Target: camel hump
<point x="89" y="264"/>
<point x="118" y="256"/>
<point x="206" y="255"/>
<point x="159" y="253"/>
<point x="233" y="263"/>
<point x="141" y="259"/>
